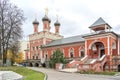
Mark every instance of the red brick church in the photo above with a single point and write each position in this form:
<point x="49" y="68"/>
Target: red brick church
<point x="99" y="50"/>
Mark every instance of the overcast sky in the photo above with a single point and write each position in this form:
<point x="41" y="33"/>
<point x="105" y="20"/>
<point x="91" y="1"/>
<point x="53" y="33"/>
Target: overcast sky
<point x="75" y="16"/>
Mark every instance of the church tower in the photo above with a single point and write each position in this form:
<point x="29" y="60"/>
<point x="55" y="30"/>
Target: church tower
<point x="57" y="26"/>
<point x="46" y="21"/>
<point x="35" y="24"/>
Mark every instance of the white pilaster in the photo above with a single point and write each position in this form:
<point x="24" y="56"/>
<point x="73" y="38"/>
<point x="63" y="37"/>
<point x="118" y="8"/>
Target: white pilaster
<point x="44" y="41"/>
<point x="118" y="46"/>
<point x="108" y="40"/>
<point x="85" y="47"/>
<point x="105" y="28"/>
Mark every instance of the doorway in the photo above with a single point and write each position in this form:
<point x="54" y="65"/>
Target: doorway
<point x="101" y="52"/>
<point x="118" y="68"/>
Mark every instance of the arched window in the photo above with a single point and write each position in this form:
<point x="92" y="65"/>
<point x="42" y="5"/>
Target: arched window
<point x="71" y="53"/>
<point x="113" y="45"/>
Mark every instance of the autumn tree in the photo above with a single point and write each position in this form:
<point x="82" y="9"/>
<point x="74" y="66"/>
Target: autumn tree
<point x="19" y="57"/>
<point x="11" y="19"/>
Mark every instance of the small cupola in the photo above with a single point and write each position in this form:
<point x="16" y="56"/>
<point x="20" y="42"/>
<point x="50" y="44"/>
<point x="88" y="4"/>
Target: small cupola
<point x="35" y="22"/>
<point x="45" y="18"/>
<point x="56" y="23"/>
<point x="100" y="25"/>
<point x="57" y="26"/>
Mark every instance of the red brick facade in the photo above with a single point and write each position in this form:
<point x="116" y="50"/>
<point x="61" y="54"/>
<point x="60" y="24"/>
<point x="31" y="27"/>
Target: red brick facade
<point x="96" y="51"/>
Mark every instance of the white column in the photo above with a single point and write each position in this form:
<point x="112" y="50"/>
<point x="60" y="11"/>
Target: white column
<point x="108" y="40"/>
<point x="118" y="46"/>
<point x="86" y="48"/>
<point x="44" y="41"/>
<point x="105" y="28"/>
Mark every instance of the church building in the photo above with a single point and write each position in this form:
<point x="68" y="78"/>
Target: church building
<point x="99" y="50"/>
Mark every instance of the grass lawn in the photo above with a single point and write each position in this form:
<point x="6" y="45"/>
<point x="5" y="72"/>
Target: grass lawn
<point x="27" y="73"/>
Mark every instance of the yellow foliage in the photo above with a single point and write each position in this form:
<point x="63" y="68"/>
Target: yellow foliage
<point x="16" y="57"/>
<point x="19" y="58"/>
<point x="9" y="54"/>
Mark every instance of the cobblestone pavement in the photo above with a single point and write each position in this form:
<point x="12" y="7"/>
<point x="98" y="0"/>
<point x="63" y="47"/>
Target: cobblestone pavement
<point x="55" y="75"/>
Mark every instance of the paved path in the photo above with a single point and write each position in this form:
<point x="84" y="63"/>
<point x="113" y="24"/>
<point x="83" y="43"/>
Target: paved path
<point x="55" y="75"/>
<point x="10" y="75"/>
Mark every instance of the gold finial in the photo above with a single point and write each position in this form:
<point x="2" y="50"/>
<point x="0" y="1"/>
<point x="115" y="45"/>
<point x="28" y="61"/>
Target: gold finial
<point x="57" y="16"/>
<point x="46" y="11"/>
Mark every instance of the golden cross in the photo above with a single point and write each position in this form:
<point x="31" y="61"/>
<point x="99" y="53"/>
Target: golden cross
<point x="46" y="11"/>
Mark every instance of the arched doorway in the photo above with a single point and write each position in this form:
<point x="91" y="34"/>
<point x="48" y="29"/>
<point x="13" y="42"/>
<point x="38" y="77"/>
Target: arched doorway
<point x="30" y="64"/>
<point x="119" y="68"/>
<point x="97" y="50"/>
<point x="36" y="65"/>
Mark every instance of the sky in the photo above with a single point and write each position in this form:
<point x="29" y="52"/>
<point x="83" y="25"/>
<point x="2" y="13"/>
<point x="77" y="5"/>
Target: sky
<point x="75" y="16"/>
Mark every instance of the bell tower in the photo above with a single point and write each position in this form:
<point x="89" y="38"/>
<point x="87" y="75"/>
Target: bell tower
<point x="46" y="21"/>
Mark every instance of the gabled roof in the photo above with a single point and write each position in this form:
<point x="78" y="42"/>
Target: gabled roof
<point x="98" y="22"/>
<point x="68" y="40"/>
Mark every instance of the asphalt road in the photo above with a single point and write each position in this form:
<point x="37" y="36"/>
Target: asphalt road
<point x="56" y="75"/>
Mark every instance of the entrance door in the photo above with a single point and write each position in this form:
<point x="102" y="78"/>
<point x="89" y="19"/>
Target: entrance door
<point x="118" y="68"/>
<point x="102" y="52"/>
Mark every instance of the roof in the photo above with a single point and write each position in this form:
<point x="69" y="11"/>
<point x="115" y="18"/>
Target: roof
<point x="45" y="18"/>
<point x="68" y="40"/>
<point x="74" y="39"/>
<point x="98" y="22"/>
<point x="35" y="21"/>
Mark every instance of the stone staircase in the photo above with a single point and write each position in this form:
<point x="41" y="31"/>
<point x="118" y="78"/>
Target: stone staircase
<point x="88" y="61"/>
<point x="93" y="64"/>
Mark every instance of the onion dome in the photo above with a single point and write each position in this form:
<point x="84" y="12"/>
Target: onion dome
<point x="45" y="18"/>
<point x="57" y="23"/>
<point x="35" y="22"/>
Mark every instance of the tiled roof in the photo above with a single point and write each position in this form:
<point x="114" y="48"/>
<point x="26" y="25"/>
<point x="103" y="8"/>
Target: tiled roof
<point x="66" y="40"/>
<point x="100" y="21"/>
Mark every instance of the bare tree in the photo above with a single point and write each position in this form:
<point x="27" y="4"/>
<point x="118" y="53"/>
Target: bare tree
<point x="11" y="18"/>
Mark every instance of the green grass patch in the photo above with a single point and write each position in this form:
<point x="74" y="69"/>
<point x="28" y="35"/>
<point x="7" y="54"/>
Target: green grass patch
<point x="27" y="73"/>
<point x="99" y="73"/>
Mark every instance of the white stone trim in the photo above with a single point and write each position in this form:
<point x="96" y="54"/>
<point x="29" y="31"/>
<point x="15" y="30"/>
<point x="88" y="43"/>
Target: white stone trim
<point x="44" y="41"/>
<point x="101" y="36"/>
<point x="118" y="46"/>
<point x="70" y="51"/>
<point x="108" y="40"/>
<point x="85" y="47"/>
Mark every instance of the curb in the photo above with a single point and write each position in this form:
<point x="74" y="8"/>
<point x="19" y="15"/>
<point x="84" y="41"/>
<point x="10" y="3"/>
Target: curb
<point x="46" y="76"/>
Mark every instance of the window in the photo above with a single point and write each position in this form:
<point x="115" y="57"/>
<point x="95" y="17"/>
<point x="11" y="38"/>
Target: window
<point x="33" y="48"/>
<point x="113" y="45"/>
<point x="37" y="47"/>
<point x="33" y="57"/>
<point x="36" y="57"/>
<point x="71" y="53"/>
